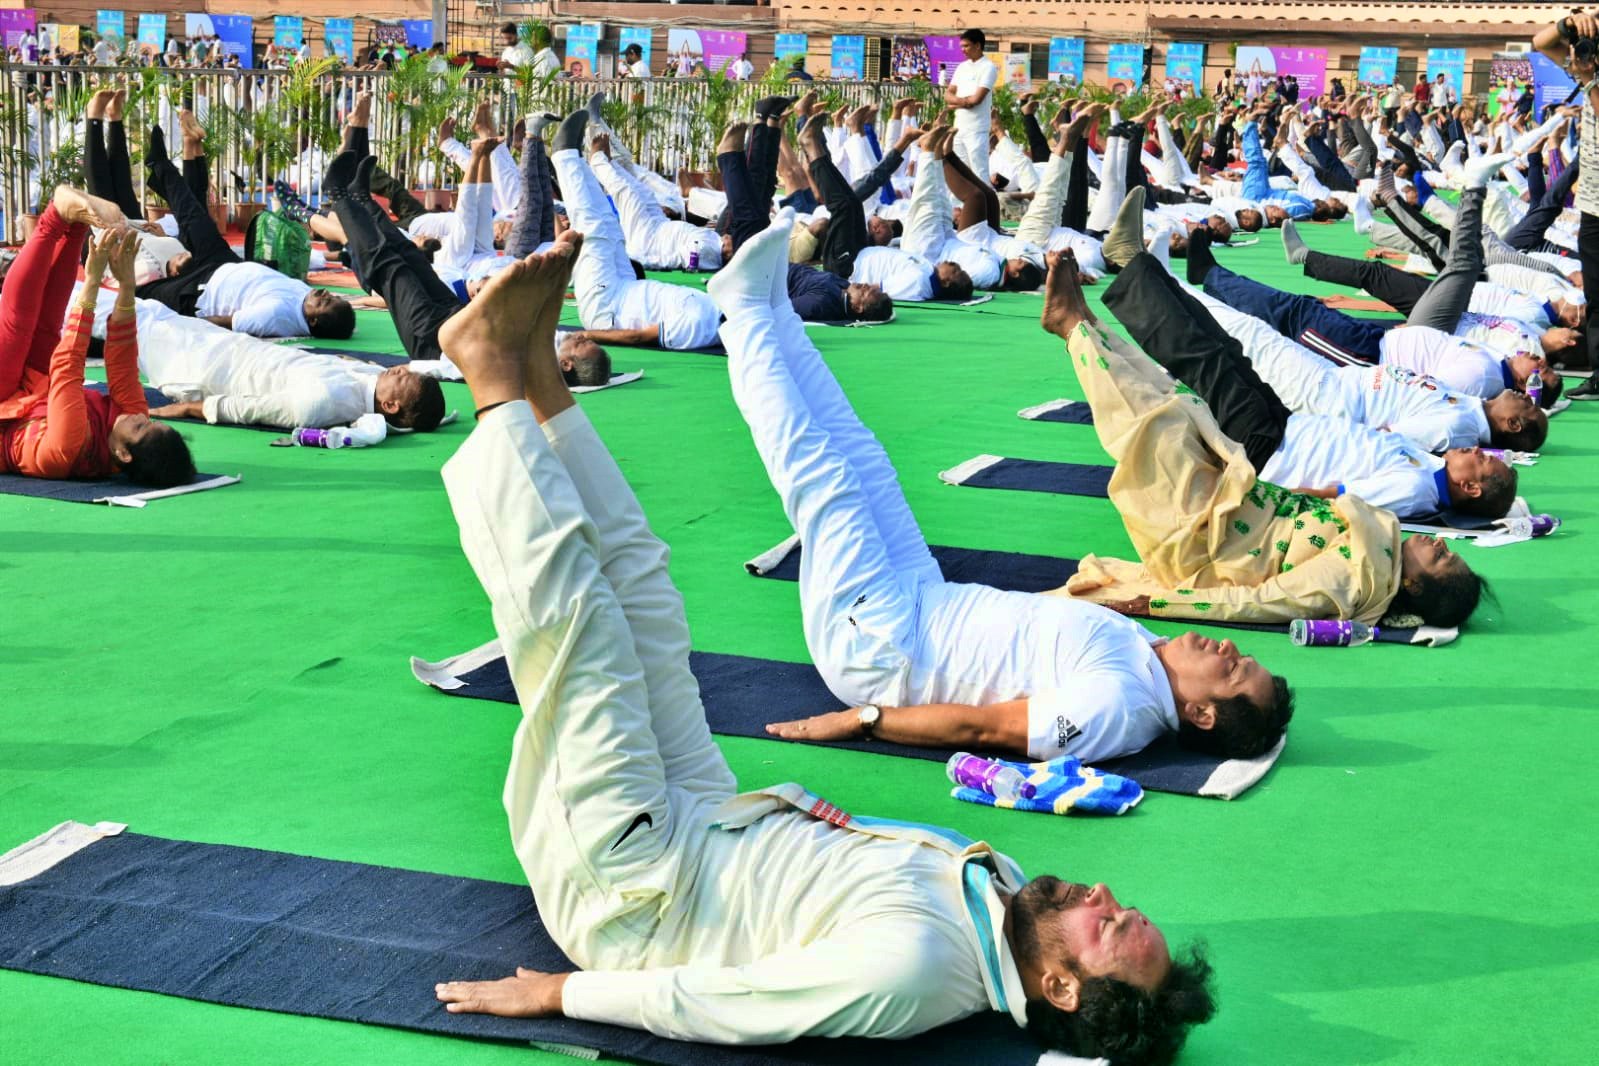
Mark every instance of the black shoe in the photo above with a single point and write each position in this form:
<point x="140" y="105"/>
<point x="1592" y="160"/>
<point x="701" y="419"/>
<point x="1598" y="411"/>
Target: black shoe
<point x="156" y="153"/>
<point x="290" y="202"/>
<point x="341" y="172"/>
<point x="772" y="106"/>
<point x="1588" y="390"/>
<point x="361" y="183"/>
<point x="570" y="133"/>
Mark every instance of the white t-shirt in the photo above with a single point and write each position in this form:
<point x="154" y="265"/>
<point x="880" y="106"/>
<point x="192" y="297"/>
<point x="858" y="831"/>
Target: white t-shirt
<point x="1384" y="469"/>
<point x="263" y="302"/>
<point x="1456" y="364"/>
<point x="967" y="78"/>
<point x="1543" y="285"/>
<point x="1497" y="301"/>
<point x="104" y="53"/>
<point x="640" y="69"/>
<point x="901" y="275"/>
<point x="740" y="70"/>
<point x="1507" y="336"/>
<point x="519" y="54"/>
<point x="546" y="63"/>
<point x="1094" y="685"/>
<point x="687" y="318"/>
<point x="1401" y="401"/>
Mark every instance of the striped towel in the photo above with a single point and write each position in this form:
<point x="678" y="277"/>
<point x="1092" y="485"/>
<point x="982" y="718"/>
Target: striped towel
<point x="1062" y="785"/>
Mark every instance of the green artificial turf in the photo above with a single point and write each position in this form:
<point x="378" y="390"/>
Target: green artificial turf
<point x="1412" y="884"/>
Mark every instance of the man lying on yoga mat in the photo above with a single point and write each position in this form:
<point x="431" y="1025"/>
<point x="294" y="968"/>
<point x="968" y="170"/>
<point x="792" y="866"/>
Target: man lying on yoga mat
<point x="1215" y="542"/>
<point x="940" y="664"/>
<point x="698" y="914"/>
<point x="50" y="425"/>
<point x="1308" y="453"/>
<point x="217" y="285"/>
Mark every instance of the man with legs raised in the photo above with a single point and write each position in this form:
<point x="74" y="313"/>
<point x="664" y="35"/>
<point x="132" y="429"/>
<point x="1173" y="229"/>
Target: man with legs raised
<point x="698" y="914"/>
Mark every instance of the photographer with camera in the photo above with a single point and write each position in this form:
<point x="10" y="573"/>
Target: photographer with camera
<point x="1573" y="42"/>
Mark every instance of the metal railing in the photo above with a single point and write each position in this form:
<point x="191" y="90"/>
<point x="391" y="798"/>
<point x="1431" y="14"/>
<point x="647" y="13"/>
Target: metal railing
<point x="271" y="124"/>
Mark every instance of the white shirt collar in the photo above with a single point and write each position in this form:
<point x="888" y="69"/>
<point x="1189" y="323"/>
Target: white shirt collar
<point x="369" y="384"/>
<point x="1001" y="978"/>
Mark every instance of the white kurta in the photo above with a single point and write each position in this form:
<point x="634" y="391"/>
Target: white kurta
<point x="262" y="302"/>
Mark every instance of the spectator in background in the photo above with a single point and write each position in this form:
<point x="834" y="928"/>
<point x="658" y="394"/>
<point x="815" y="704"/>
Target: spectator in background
<point x="797" y="71"/>
<point x="969" y="93"/>
<point x="633" y="65"/>
<point x="517" y="52"/>
<point x="741" y="69"/>
<point x="1423" y="92"/>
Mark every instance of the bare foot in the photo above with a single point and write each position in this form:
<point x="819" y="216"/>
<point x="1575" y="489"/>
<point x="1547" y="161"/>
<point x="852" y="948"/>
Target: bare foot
<point x="1065" y="308"/>
<point x="98" y="103"/>
<point x="811" y="138"/>
<point x="447" y="130"/>
<point x="75" y="205"/>
<point x="807" y="103"/>
<point x="733" y="139"/>
<point x="1079" y="126"/>
<point x="601" y="143"/>
<point x="361" y="113"/>
<point x="483" y="119"/>
<point x="487" y="338"/>
<point x="930" y="138"/>
<point x="117" y="105"/>
<point x="193" y="135"/>
<point x="564" y="255"/>
<point x="857" y="118"/>
<point x="1029" y="104"/>
<point x="485" y="145"/>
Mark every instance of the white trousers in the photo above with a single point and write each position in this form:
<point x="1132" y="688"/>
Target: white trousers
<point x="613" y="771"/>
<point x="1112" y="185"/>
<point x="971" y="144"/>
<point x="865" y="559"/>
<point x="653" y="239"/>
<point x="506" y="175"/>
<point x="603" y="273"/>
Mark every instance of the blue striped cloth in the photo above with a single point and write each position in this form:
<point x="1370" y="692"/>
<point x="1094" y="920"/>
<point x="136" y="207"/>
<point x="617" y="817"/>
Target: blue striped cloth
<point x="1063" y="785"/>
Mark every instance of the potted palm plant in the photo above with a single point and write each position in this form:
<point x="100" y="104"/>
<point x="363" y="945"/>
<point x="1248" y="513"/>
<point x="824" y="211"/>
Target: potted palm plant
<point x="424" y="99"/>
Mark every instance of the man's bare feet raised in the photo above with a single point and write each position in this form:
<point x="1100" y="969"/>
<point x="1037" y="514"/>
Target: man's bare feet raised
<point x="812" y="139"/>
<point x="75" y="205"/>
<point x="98" y="103"/>
<point x="488" y="338"/>
<point x="193" y="135"/>
<point x="483" y="120"/>
<point x="117" y="105"/>
<point x="1079" y="126"/>
<point x="361" y="113"/>
<point x="1065" y="307"/>
<point x="733" y="139"/>
<point x="546" y="386"/>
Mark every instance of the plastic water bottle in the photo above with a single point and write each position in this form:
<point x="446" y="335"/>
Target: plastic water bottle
<point x="1502" y="454"/>
<point x="1535" y="388"/>
<point x="1544" y="524"/>
<point x="1329" y="633"/>
<point x="998" y="780"/>
<point x="693" y="260"/>
<point x="1538" y="525"/>
<point x="307" y="437"/>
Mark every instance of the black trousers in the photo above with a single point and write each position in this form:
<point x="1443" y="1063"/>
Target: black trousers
<point x="1330" y="170"/>
<point x="1528" y="234"/>
<point x="1037" y="144"/>
<point x="1588" y="255"/>
<point x="1396" y="288"/>
<point x="1178" y="332"/>
<point x="196" y="229"/>
<point x="846" y="232"/>
<point x="1074" y="211"/>
<point x="387" y="263"/>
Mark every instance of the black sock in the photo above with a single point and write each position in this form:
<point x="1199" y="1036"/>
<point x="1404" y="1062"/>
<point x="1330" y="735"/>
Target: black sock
<point x="1200" y="260"/>
<point x="156" y="153"/>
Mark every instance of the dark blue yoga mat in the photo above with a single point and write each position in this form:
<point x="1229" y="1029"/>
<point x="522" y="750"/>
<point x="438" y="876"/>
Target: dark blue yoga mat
<point x="375" y="358"/>
<point x="741" y="695"/>
<point x="1038" y="475"/>
<point x="342" y="940"/>
<point x="77" y="491"/>
<point x="1071" y="414"/>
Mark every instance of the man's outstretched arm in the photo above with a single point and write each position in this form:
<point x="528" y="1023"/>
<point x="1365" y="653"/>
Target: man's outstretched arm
<point x="994" y="727"/>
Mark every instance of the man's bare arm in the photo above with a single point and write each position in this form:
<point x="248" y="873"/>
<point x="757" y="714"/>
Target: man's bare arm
<point x="1000" y="727"/>
<point x="645" y="337"/>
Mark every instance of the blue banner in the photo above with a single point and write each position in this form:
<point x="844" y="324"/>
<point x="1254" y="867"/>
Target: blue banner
<point x="152" y="33"/>
<point x="338" y="37"/>
<point x="1378" y="66"/>
<point x="1550" y="84"/>
<point x="1451" y="63"/>
<point x="1125" y="65"/>
<point x="1066" y="59"/>
<point x="111" y="26"/>
<point x="849" y="58"/>
<point x="288" y="31"/>
<point x="237" y="33"/>
<point x="790" y="45"/>
<point x="1185" y="63"/>
<point x="636" y="35"/>
<point x="418" y="34"/>
<point x="582" y="50"/>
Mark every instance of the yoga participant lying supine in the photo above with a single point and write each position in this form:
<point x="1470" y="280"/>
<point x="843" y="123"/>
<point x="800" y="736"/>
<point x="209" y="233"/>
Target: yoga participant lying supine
<point x="1214" y="541"/>
<point x="50" y="425"/>
<point x="696" y="913"/>
<point x="938" y="664"/>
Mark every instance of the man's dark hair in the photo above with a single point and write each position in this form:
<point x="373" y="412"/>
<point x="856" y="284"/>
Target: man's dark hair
<point x="1125" y="1024"/>
<point x="510" y="27"/>
<point x="1242" y="730"/>
<point x="951" y="284"/>
<point x="878" y="307"/>
<point x="975" y="36"/>
<point x="160" y="459"/>
<point x="1028" y="278"/>
<point x="1250" y="220"/>
<point x="590" y="370"/>
<point x="1445" y="601"/>
<point x="633" y="50"/>
<point x="1498" y="493"/>
<point x="425" y="414"/>
<point x="334" y="322"/>
<point x="1320" y="212"/>
<point x="430" y="247"/>
<point x="1529" y="438"/>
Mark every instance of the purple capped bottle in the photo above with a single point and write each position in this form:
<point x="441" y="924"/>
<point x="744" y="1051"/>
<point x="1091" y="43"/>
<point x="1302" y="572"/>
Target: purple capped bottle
<point x="1329" y="633"/>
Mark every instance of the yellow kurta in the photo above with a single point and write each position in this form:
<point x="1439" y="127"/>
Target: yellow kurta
<point x="1216" y="542"/>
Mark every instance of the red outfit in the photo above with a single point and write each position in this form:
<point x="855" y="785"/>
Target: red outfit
<point x="50" y="425"/>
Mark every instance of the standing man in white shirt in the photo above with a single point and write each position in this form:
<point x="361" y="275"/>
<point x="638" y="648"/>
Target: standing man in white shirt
<point x="741" y="69"/>
<point x="517" y="52"/>
<point x="633" y="65"/>
<point x="968" y="92"/>
<point x="695" y="913"/>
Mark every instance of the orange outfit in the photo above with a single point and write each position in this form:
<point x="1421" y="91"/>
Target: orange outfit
<point x="53" y="427"/>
